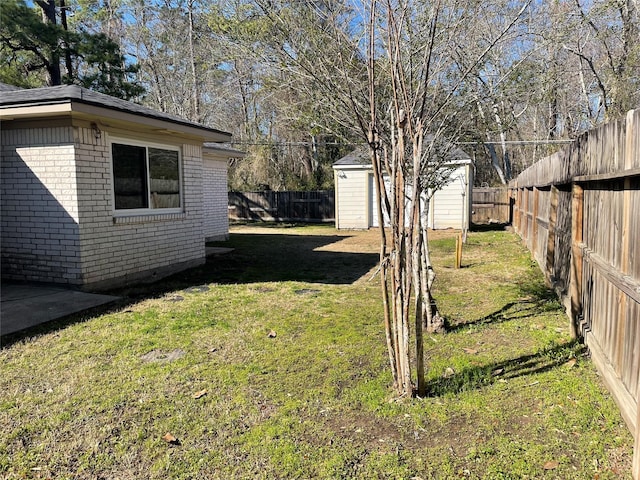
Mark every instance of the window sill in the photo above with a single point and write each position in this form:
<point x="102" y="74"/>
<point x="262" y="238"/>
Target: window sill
<point x="149" y="218"/>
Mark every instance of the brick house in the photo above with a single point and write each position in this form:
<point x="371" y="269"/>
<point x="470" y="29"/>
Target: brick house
<point x="98" y="192"/>
<point x="215" y="199"/>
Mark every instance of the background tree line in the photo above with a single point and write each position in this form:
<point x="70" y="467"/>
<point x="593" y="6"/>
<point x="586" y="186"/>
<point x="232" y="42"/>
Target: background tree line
<point x="285" y="76"/>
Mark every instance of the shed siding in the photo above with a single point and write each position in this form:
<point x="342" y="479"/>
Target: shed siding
<point x="356" y="200"/>
<point x="373" y="201"/>
<point x="450" y="204"/>
<point x="116" y="250"/>
<point x="216" y="210"/>
<point x="352" y="194"/>
<point x="40" y="233"/>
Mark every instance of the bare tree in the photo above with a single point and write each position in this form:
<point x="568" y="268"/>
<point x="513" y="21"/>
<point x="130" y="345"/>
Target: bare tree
<point x="410" y="147"/>
<point x="387" y="72"/>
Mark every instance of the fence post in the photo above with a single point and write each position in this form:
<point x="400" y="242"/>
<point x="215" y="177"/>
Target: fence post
<point x="577" y="204"/>
<point x="635" y="469"/>
<point x="534" y="229"/>
<point x="518" y="210"/>
<point x="525" y="215"/>
<point x="550" y="267"/>
<point x="630" y="161"/>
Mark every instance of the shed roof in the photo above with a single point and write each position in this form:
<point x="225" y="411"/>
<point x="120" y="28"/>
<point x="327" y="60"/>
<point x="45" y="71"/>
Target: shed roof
<point x="74" y="95"/>
<point x="358" y="157"/>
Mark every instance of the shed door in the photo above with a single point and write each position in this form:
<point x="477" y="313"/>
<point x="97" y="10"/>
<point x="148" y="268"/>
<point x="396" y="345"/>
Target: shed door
<point x="448" y="207"/>
<point x="373" y="201"/>
<point x="373" y="206"/>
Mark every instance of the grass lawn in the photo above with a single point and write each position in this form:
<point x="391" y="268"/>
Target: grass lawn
<point x="270" y="362"/>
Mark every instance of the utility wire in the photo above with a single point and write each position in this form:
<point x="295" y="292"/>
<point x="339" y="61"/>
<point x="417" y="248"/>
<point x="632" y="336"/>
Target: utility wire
<point x="345" y="144"/>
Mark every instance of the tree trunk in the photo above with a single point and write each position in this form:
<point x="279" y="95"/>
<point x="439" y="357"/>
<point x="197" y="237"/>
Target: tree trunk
<point x="503" y="143"/>
<point x="434" y="321"/>
<point x="495" y="163"/>
<point x="383" y="206"/>
<point x="416" y="253"/>
<point x="67" y="51"/>
<point x="54" y="76"/>
<point x="195" y="92"/>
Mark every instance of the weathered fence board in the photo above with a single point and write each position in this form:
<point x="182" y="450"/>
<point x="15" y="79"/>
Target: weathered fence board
<point x="490" y="205"/>
<point x="311" y="206"/>
<point x="577" y="212"/>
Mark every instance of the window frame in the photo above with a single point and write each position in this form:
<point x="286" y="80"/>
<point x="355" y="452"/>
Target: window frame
<point x="149" y="210"/>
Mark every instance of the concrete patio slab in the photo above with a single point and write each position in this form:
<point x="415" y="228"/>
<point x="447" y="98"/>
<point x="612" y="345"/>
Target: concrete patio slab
<point x="24" y="306"/>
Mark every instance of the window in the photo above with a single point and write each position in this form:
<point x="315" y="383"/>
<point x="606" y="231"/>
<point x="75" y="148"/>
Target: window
<point x="145" y="177"/>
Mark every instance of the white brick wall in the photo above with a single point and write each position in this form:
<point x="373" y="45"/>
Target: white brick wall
<point x="116" y="249"/>
<point x="40" y="239"/>
<point x="57" y="213"/>
<point x="216" y="213"/>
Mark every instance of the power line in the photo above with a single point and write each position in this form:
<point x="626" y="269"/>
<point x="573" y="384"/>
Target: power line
<point x="345" y="144"/>
<point x="298" y="144"/>
<point x="518" y="142"/>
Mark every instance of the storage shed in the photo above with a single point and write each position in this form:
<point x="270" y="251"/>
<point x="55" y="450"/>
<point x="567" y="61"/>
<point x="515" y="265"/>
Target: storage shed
<point x="449" y="207"/>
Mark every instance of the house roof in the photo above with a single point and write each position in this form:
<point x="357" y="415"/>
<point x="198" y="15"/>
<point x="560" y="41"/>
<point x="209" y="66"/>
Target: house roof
<point x="223" y="150"/>
<point x="360" y="157"/>
<point x="8" y="88"/>
<point x="19" y="99"/>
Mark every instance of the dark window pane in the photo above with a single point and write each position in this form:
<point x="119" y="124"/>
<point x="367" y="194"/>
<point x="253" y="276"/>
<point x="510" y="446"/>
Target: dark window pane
<point x="165" y="178"/>
<point x="129" y="176"/>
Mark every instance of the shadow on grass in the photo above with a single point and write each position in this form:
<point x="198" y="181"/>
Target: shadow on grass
<point x="489" y="227"/>
<point x="535" y="298"/>
<point x="480" y="376"/>
<point x="279" y="258"/>
<point x="511" y="311"/>
<point x="255" y="258"/>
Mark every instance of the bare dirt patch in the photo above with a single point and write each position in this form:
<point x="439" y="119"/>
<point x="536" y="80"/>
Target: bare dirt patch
<point x="160" y="356"/>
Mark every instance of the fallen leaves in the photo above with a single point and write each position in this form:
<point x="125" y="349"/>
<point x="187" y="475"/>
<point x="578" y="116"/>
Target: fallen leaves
<point x="199" y="394"/>
<point x="571" y="363"/>
<point x="550" y="465"/>
<point x="470" y="351"/>
<point x="272" y="334"/>
<point x="170" y="439"/>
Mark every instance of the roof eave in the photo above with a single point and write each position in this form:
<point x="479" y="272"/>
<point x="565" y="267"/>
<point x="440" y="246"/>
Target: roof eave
<point x="32" y="110"/>
<point x="156" y="124"/>
<point x="352" y="166"/>
<point x="89" y="110"/>
<point x="223" y="152"/>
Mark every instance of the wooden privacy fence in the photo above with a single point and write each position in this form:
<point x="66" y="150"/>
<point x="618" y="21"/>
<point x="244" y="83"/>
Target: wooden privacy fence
<point x="578" y="211"/>
<point x="312" y="206"/>
<point x="490" y="205"/>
